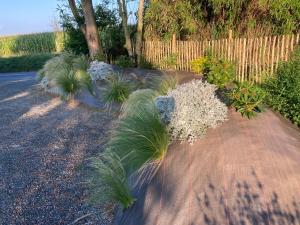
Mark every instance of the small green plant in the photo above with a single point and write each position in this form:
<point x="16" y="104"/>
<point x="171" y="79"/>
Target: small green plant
<point x="199" y="65"/>
<point x="124" y="62"/>
<point x="170" y="61"/>
<point x="247" y="99"/>
<point x="217" y="71"/>
<point x="117" y="89"/>
<point x="140" y="138"/>
<point x="108" y="181"/>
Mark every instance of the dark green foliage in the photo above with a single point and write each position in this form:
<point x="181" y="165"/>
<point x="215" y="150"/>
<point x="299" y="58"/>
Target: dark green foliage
<point x="24" y="63"/>
<point x="164" y="18"/>
<point x="108" y="181"/>
<point x="247" y="99"/>
<point x="283" y="91"/>
<point x="217" y="71"/>
<point x="124" y="61"/>
<point x="144" y="64"/>
<point x="117" y="89"/>
<point x="220" y="72"/>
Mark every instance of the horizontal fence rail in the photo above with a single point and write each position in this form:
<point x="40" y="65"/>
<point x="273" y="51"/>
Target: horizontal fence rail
<point x="254" y="58"/>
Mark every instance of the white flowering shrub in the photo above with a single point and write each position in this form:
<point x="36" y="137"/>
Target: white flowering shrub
<point x="190" y="109"/>
<point x="99" y="70"/>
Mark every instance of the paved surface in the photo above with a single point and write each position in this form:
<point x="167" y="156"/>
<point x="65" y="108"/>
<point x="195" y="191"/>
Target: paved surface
<point x="246" y="172"/>
<point x="43" y="145"/>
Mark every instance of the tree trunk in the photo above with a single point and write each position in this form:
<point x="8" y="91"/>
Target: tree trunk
<point x="139" y="35"/>
<point x="123" y="15"/>
<point x="91" y="31"/>
<point x="77" y="16"/>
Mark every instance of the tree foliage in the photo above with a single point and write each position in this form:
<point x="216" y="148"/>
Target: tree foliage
<point x="111" y="36"/>
<point x="213" y="18"/>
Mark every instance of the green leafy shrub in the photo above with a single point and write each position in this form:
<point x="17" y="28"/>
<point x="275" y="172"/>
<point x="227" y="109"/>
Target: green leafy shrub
<point x="140" y="137"/>
<point x="124" y="62"/>
<point x="217" y="71"/>
<point x="144" y="64"/>
<point x="247" y="99"/>
<point x="117" y="89"/>
<point x="283" y="91"/>
<point x="108" y="181"/>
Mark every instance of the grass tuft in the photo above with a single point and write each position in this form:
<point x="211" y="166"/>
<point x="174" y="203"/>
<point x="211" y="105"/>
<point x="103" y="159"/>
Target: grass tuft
<point x="138" y="99"/>
<point x="140" y="138"/>
<point x="117" y="89"/>
<point x="108" y="181"/>
<point x="164" y="84"/>
<point x="68" y="82"/>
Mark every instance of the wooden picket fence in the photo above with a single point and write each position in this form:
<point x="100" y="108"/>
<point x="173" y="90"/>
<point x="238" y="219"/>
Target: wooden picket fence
<point x="254" y="58"/>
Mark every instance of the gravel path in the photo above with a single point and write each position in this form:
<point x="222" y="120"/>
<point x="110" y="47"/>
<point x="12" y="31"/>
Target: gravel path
<point x="44" y="143"/>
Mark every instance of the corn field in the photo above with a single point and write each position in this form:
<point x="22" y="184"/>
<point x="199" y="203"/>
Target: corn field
<point x="48" y="42"/>
<point x="254" y="58"/>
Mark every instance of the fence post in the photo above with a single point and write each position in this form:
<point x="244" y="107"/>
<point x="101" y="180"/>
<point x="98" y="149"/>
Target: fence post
<point x="174" y="43"/>
<point x="229" y="45"/>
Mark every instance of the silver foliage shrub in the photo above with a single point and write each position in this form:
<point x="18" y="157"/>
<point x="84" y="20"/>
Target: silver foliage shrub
<point x="195" y="108"/>
<point x="99" y="70"/>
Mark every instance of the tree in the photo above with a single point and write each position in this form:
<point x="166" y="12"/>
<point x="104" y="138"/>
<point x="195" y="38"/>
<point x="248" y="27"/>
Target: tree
<point x="124" y="17"/>
<point x="139" y="35"/>
<point x="88" y="26"/>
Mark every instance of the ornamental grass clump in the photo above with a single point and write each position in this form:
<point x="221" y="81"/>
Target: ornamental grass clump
<point x="190" y="109"/>
<point x="117" y="90"/>
<point x="140" y="138"/>
<point x="67" y="73"/>
<point x="68" y="82"/>
<point x="108" y="181"/>
<point x="139" y="99"/>
<point x="162" y="84"/>
<point x="247" y="98"/>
